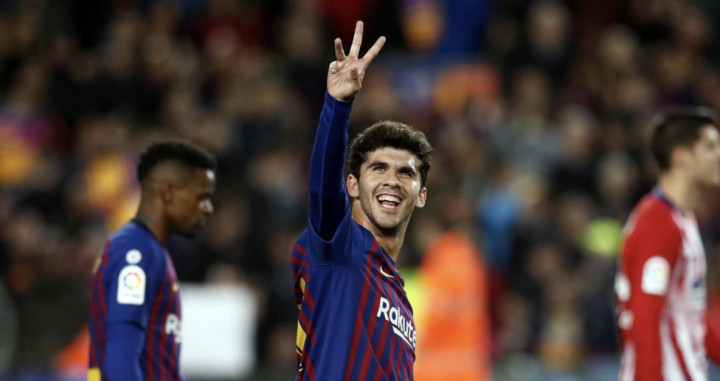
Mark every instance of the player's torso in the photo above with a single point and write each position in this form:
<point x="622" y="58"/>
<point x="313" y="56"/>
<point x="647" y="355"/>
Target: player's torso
<point x="164" y="335"/>
<point x="688" y="293"/>
<point x="686" y="287"/>
<point x="682" y="327"/>
<point x="156" y="290"/>
<point x="356" y="316"/>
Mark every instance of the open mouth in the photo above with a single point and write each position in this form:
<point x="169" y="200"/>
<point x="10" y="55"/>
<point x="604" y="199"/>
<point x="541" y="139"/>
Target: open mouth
<point x="389" y="202"/>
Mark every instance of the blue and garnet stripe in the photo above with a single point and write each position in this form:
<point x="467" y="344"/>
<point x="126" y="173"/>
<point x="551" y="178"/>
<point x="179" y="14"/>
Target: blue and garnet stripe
<point x="366" y="335"/>
<point x="151" y="348"/>
<point x="98" y="311"/>
<point x="306" y="306"/>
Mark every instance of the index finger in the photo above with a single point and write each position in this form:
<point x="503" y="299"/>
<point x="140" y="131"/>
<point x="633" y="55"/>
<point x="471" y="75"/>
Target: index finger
<point x="357" y="40"/>
<point x="374" y="50"/>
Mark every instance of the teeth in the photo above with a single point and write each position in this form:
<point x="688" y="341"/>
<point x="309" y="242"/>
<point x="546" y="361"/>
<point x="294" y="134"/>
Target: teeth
<point x="389" y="198"/>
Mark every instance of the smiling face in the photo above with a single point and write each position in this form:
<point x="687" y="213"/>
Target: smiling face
<point x="388" y="190"/>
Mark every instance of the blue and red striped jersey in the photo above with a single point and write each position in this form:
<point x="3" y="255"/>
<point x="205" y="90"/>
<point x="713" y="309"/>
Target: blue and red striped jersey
<point x="134" y="285"/>
<point x="355" y="321"/>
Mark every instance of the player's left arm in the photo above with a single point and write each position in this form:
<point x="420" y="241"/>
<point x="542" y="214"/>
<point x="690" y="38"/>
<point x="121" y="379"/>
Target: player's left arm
<point x="123" y="351"/>
<point x="134" y="277"/>
<point x="656" y="248"/>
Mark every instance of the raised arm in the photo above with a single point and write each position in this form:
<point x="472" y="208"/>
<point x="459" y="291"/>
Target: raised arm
<point x="328" y="199"/>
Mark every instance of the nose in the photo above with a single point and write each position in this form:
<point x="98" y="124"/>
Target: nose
<point x="391" y="179"/>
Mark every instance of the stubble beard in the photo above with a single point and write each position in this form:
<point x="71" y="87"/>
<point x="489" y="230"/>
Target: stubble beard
<point x="392" y="230"/>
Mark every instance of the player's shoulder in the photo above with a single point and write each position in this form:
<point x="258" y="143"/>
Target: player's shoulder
<point x="652" y="207"/>
<point x="350" y="238"/>
<point x="303" y="243"/>
<point x="134" y="245"/>
<point x="343" y="233"/>
<point x="653" y="212"/>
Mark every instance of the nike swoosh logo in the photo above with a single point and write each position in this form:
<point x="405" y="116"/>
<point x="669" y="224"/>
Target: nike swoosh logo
<point x="384" y="273"/>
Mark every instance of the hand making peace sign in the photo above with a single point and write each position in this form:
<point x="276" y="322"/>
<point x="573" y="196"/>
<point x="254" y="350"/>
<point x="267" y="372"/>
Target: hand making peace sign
<point x="345" y="75"/>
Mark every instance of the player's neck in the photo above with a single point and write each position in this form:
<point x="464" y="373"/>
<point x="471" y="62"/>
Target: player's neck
<point x="391" y="241"/>
<point x="679" y="190"/>
<point x="391" y="244"/>
<point x="154" y="224"/>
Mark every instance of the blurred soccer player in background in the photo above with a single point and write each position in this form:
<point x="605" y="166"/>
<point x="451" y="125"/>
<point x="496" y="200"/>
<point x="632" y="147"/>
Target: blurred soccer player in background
<point x="660" y="285"/>
<point x="135" y="310"/>
<point x="355" y="321"/>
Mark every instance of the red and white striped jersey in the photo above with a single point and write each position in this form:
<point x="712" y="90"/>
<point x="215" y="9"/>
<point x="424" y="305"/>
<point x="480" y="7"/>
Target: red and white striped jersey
<point x="660" y="292"/>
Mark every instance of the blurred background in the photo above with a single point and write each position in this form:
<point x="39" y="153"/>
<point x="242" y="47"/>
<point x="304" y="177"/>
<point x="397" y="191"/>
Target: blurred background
<point x="538" y="109"/>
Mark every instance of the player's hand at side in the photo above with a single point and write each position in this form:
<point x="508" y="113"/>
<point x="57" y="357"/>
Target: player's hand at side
<point x="346" y="74"/>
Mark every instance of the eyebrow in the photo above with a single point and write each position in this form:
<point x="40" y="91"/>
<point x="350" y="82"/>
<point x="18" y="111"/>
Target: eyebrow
<point x="385" y="164"/>
<point x="409" y="168"/>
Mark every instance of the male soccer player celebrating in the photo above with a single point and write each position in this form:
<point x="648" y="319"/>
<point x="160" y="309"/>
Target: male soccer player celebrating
<point x="135" y="308"/>
<point x="660" y="285"/>
<point x="355" y="321"/>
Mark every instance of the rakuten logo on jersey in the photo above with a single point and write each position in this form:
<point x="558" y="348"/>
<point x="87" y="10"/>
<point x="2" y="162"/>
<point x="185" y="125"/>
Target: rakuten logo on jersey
<point x="401" y="325"/>
<point x="172" y="327"/>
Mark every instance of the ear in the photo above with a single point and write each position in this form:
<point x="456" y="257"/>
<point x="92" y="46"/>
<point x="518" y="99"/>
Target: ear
<point x="679" y="156"/>
<point x="422" y="197"/>
<point x="165" y="189"/>
<point x="352" y="186"/>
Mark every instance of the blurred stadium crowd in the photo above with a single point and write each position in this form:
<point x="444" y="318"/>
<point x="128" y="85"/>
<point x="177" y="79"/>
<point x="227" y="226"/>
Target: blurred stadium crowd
<point x="538" y="110"/>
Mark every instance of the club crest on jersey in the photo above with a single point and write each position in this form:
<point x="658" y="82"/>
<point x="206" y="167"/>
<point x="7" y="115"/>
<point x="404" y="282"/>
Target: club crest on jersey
<point x="131" y="285"/>
<point x="401" y="325"/>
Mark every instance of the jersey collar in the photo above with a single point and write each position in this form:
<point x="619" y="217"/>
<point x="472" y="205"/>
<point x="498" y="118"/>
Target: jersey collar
<point x="142" y="225"/>
<point x="658" y="193"/>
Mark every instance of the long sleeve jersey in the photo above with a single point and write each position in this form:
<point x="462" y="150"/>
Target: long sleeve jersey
<point x="354" y="320"/>
<point x="660" y="291"/>
<point x="135" y="310"/>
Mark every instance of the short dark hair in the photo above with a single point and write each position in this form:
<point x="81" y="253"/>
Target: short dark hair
<point x="389" y="133"/>
<point x="179" y="151"/>
<point x="679" y="127"/>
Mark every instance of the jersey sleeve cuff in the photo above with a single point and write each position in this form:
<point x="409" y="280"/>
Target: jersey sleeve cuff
<point x="337" y="104"/>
